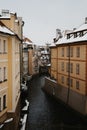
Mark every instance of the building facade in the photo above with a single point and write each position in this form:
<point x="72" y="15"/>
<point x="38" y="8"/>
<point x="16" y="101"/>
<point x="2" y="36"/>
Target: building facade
<point x="3" y="76"/>
<point x="53" y="71"/>
<point x="11" y="70"/>
<point x="27" y="56"/>
<point x="69" y="60"/>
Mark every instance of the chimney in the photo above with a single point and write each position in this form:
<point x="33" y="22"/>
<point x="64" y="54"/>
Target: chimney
<point x="86" y="20"/>
<point x="58" y="34"/>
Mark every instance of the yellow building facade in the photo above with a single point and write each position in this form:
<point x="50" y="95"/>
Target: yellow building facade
<point x="30" y="61"/>
<point x="69" y="69"/>
<point x="11" y="61"/>
<point x="72" y="70"/>
<point x="54" y="62"/>
<point x="3" y="76"/>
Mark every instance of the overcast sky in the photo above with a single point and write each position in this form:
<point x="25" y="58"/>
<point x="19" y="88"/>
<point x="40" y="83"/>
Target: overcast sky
<point x="43" y="17"/>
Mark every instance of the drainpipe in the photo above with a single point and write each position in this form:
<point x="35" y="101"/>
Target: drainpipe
<point x="68" y="93"/>
<point x="21" y="53"/>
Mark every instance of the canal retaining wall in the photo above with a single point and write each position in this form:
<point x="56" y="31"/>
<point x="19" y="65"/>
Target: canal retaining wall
<point x="72" y="99"/>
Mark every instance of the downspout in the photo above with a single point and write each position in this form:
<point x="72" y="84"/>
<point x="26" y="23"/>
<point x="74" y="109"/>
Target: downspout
<point x="68" y="93"/>
<point x="21" y="53"/>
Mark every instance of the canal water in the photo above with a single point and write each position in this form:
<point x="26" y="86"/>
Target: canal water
<point x="46" y="113"/>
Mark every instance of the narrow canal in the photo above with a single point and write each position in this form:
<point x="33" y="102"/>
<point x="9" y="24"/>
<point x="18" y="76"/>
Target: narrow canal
<point x="45" y="113"/>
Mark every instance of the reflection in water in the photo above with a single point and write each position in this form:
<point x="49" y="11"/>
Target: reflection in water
<point x="45" y="113"/>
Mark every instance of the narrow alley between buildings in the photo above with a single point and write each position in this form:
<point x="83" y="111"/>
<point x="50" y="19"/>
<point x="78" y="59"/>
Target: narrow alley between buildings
<point x="45" y="113"/>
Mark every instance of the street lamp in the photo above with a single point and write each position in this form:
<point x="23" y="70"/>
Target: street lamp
<point x="5" y="122"/>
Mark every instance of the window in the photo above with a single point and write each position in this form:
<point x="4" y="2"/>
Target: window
<point x="81" y="34"/>
<point x="62" y="52"/>
<point x="77" y="85"/>
<point x="71" y="82"/>
<point x="0" y="104"/>
<point x="67" y="67"/>
<point x="4" y="101"/>
<point x="4" y="73"/>
<point x="78" y="51"/>
<point x="71" y="51"/>
<point x="0" y="47"/>
<point x="75" y="35"/>
<point x="62" y="65"/>
<point x="68" y="36"/>
<point x="68" y="51"/>
<point x="77" y="68"/>
<point x="4" y="46"/>
<point x="68" y="81"/>
<point x="62" y="79"/>
<point x="71" y="67"/>
<point x="0" y="75"/>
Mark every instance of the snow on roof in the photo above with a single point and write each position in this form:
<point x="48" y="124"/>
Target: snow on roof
<point x="52" y="44"/>
<point x="72" y="39"/>
<point x="28" y="43"/>
<point x="16" y="21"/>
<point x="44" y="52"/>
<point x="81" y="28"/>
<point x="5" y="30"/>
<point x="5" y="17"/>
<point x="64" y="39"/>
<point x="25" y="39"/>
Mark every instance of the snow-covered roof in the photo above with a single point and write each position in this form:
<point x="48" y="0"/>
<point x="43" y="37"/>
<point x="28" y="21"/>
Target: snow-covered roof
<point x="28" y="43"/>
<point x="44" y="52"/>
<point x="52" y="44"/>
<point x="72" y="39"/>
<point x="81" y="28"/>
<point x="4" y="29"/>
<point x="5" y="17"/>
<point x="16" y="21"/>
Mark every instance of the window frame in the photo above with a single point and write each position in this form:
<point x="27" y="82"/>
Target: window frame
<point x="62" y="66"/>
<point x="77" y="68"/>
<point x="62" y="79"/>
<point x="62" y="54"/>
<point x="77" y="85"/>
<point x="4" y="101"/>
<point x="77" y="51"/>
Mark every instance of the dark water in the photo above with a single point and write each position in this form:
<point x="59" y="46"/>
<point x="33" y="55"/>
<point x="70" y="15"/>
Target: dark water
<point x="45" y="113"/>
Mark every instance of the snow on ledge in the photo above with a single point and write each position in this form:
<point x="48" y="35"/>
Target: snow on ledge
<point x="51" y="79"/>
<point x="24" y="122"/>
<point x="25" y="108"/>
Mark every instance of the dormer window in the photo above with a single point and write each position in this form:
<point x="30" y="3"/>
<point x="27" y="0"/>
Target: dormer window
<point x="81" y="34"/>
<point x="68" y="36"/>
<point x="75" y="35"/>
<point x="5" y="12"/>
